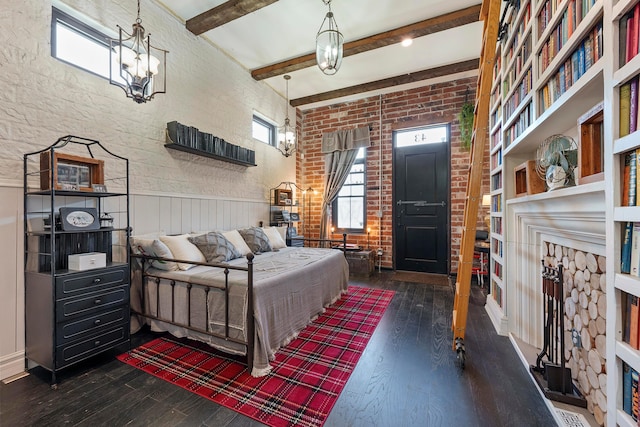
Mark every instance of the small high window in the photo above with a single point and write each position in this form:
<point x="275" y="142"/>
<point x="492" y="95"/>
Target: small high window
<point x="263" y="131"/>
<point x="78" y="44"/>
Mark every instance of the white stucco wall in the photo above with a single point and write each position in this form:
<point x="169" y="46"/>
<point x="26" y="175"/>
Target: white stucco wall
<point x="42" y="99"/>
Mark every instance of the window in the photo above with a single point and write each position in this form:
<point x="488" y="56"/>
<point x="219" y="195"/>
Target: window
<point x="427" y="135"/>
<point x="263" y="131"/>
<point x="348" y="209"/>
<point x="78" y="44"/>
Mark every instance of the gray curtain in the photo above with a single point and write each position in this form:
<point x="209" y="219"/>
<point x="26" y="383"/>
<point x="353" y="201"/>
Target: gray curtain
<point x="340" y="148"/>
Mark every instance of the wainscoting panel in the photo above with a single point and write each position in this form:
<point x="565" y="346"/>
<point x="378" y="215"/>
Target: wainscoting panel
<point x="178" y="214"/>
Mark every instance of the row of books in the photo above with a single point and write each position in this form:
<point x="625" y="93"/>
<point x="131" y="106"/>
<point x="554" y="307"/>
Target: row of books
<point x="523" y="89"/>
<point x="630" y="393"/>
<point x="514" y="48"/>
<point x="496" y="159"/>
<point x="630" y="320"/>
<point x="496" y="225"/>
<point x="630" y="256"/>
<point x="574" y="14"/>
<point x="630" y="178"/>
<point x="191" y="137"/>
<point x="585" y="55"/>
<point x="519" y="126"/>
<point x="547" y="11"/>
<point x="496" y="138"/>
<point x="629" y="34"/>
<point x="496" y="181"/>
<point x="521" y="23"/>
<point x="629" y="100"/>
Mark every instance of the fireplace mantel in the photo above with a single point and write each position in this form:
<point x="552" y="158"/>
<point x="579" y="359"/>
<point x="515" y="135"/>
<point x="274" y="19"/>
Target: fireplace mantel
<point x="573" y="217"/>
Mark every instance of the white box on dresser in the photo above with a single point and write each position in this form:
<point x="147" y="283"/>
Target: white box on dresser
<point x="87" y="261"/>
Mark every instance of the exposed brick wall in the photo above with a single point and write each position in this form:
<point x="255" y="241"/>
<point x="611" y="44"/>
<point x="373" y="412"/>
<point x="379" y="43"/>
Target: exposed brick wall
<point x="432" y="104"/>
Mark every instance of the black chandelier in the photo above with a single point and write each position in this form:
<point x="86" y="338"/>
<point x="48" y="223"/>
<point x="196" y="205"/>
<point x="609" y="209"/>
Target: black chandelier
<point x="135" y="65"/>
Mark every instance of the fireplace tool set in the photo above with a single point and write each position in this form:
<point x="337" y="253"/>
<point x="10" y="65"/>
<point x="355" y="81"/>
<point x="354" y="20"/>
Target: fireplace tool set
<point x="550" y="372"/>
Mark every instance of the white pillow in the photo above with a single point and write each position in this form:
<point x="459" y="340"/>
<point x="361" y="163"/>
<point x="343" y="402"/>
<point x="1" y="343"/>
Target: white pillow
<point x="276" y="240"/>
<point x="236" y="240"/>
<point x="153" y="247"/>
<point x="183" y="249"/>
<point x="283" y="231"/>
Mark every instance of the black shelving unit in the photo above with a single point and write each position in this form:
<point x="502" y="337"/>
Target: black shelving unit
<point x="72" y="315"/>
<point x="286" y="210"/>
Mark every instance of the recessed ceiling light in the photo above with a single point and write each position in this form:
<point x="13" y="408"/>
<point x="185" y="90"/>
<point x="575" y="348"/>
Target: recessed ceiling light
<point x="407" y="42"/>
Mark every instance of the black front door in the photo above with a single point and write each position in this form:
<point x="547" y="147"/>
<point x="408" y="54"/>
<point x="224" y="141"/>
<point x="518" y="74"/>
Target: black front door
<point x="421" y="199"/>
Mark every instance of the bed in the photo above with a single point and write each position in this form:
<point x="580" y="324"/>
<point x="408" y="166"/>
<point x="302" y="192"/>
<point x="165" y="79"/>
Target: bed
<point x="287" y="287"/>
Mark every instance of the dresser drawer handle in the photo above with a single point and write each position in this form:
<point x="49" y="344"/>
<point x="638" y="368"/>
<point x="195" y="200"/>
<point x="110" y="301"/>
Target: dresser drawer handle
<point x="97" y="301"/>
<point x="97" y="280"/>
<point x="96" y="343"/>
<point x="96" y="322"/>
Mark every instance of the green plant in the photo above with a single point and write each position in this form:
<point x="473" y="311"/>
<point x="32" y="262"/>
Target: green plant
<point x="465" y="118"/>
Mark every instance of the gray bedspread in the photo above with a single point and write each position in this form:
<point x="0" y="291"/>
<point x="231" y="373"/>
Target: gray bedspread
<point x="291" y="288"/>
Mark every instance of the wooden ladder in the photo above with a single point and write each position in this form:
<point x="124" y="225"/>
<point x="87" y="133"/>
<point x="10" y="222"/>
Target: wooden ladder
<point x="489" y="13"/>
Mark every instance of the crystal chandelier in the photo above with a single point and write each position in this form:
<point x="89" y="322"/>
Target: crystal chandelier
<point x="136" y="66"/>
<point x="286" y="133"/>
<point x="329" y="44"/>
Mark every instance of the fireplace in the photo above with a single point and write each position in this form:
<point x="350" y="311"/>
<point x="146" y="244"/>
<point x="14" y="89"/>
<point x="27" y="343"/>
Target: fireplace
<point x="563" y="227"/>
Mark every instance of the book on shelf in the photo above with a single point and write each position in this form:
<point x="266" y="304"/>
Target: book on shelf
<point x="626" y="387"/>
<point x="634" y="268"/>
<point x="633" y="105"/>
<point x="633" y="172"/>
<point x="626" y="176"/>
<point x="629" y="36"/>
<point x="635" y="29"/>
<point x="625" y="107"/>
<point x="633" y="320"/>
<point x="622" y="56"/>
<point x="625" y="261"/>
<point x="634" y="395"/>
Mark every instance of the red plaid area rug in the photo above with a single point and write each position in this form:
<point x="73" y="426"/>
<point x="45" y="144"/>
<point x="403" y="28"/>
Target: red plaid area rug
<point x="308" y="374"/>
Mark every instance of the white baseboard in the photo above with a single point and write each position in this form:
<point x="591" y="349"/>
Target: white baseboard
<point x="11" y="364"/>
<point x="499" y="320"/>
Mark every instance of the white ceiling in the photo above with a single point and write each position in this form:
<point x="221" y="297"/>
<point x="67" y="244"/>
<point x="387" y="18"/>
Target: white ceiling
<point x="287" y="29"/>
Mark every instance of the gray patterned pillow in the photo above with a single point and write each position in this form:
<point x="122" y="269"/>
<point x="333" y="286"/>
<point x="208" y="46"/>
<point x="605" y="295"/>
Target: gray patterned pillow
<point x="256" y="239"/>
<point x="215" y="247"/>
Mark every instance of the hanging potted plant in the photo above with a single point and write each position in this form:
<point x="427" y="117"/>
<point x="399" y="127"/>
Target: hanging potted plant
<point x="465" y="118"/>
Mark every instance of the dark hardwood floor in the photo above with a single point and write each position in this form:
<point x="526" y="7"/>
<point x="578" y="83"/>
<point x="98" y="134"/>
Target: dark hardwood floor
<point x="407" y="376"/>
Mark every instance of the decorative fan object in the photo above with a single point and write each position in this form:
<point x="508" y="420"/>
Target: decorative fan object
<point x="556" y="160"/>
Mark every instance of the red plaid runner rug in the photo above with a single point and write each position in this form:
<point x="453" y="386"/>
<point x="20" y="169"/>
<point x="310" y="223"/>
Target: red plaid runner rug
<point x="308" y="374"/>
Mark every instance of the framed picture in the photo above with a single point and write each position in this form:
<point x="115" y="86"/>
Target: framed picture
<point x="295" y="216"/>
<point x="282" y="196"/>
<point x="79" y="219"/>
<point x="99" y="188"/>
<point x="73" y="173"/>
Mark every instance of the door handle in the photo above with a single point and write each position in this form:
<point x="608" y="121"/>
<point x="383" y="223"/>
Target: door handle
<point x="421" y="203"/>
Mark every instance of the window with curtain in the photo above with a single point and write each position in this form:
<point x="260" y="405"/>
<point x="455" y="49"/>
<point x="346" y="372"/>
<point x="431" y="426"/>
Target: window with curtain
<point x="348" y="211"/>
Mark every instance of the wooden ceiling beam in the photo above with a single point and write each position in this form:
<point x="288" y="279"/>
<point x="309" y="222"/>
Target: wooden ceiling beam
<point x="430" y="73"/>
<point x="226" y="12"/>
<point x="428" y="26"/>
